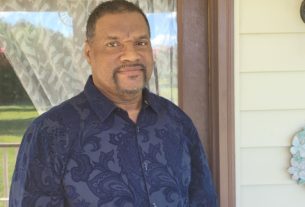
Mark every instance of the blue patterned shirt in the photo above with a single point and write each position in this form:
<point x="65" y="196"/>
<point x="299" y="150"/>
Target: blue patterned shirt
<point x="87" y="152"/>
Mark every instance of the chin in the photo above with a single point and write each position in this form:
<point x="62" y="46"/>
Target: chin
<point x="130" y="91"/>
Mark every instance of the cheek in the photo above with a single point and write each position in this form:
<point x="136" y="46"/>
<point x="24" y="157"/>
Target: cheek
<point x="149" y="59"/>
<point x="150" y="67"/>
<point x="149" y="73"/>
<point x="103" y="69"/>
<point x="104" y="64"/>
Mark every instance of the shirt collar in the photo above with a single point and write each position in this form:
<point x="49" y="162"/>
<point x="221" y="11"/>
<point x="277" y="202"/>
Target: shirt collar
<point x="103" y="107"/>
<point x="149" y="99"/>
<point x="99" y="103"/>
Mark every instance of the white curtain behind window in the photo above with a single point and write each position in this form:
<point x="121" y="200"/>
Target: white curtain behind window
<point x="43" y="40"/>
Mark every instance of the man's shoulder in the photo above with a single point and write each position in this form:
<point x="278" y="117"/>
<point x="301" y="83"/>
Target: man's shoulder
<point x="66" y="111"/>
<point x="171" y="109"/>
<point x="58" y="125"/>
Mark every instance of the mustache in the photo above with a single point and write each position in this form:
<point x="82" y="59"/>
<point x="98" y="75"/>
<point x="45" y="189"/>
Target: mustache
<point x="117" y="69"/>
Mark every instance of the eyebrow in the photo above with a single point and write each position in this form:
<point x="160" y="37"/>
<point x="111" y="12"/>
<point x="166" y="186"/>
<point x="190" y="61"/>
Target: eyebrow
<point x="144" y="37"/>
<point x="112" y="37"/>
<point x="140" y="37"/>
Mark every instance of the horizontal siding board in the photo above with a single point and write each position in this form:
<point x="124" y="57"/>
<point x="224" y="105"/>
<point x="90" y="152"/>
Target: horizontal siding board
<point x="265" y="166"/>
<point x="270" y="16"/>
<point x="272" y="91"/>
<point x="273" y="52"/>
<point x="270" y="128"/>
<point x="270" y="100"/>
<point x="272" y="196"/>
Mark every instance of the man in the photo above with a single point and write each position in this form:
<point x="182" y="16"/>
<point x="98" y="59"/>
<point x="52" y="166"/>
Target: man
<point x="115" y="144"/>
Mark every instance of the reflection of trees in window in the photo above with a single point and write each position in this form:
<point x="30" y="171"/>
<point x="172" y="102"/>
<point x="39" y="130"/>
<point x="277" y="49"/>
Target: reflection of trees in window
<point x="41" y="59"/>
<point x="12" y="92"/>
<point x="51" y="66"/>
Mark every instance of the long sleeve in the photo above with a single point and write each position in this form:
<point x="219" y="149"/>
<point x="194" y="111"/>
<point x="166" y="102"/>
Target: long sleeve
<point x="201" y="191"/>
<point x="36" y="179"/>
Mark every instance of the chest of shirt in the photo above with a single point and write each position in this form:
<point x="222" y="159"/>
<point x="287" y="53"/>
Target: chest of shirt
<point x="140" y="164"/>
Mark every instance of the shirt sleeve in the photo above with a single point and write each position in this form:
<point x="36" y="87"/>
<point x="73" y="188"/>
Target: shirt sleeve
<point x="201" y="191"/>
<point x="36" y="180"/>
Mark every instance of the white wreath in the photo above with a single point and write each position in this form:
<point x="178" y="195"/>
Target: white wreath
<point x="297" y="168"/>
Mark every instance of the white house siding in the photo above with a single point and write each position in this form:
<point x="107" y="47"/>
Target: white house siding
<point x="270" y="100"/>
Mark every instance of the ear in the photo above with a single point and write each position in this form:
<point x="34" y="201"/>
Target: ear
<point x="87" y="52"/>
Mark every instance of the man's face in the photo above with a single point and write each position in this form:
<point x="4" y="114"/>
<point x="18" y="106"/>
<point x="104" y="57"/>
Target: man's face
<point x="120" y="53"/>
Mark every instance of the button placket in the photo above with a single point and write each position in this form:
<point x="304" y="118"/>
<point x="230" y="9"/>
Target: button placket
<point x="145" y="165"/>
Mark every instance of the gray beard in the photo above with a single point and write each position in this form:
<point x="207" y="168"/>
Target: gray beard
<point x="129" y="91"/>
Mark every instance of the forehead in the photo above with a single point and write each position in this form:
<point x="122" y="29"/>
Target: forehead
<point x="121" y="23"/>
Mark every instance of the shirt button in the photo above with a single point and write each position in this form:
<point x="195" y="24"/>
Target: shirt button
<point x="145" y="165"/>
<point x="154" y="205"/>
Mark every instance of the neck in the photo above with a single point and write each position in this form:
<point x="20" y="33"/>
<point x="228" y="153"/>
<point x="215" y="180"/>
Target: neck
<point x="131" y="103"/>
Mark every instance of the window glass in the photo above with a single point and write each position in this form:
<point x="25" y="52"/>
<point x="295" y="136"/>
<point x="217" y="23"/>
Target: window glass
<point x="16" y="112"/>
<point x="43" y="40"/>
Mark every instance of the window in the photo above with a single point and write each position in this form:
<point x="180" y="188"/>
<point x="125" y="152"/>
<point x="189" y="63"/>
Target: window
<point x="42" y="65"/>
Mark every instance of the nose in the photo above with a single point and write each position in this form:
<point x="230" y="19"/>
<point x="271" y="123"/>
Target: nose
<point x="130" y="54"/>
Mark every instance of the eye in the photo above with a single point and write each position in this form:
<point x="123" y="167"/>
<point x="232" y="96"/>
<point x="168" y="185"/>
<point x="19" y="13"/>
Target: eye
<point x="142" y="43"/>
<point x="113" y="44"/>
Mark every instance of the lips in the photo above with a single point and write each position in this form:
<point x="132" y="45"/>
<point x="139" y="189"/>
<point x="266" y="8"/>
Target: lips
<point x="131" y="70"/>
<point x="128" y="68"/>
<point x="134" y="72"/>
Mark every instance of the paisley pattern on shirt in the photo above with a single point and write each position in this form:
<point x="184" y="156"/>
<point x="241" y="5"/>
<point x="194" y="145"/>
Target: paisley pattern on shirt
<point x="87" y="152"/>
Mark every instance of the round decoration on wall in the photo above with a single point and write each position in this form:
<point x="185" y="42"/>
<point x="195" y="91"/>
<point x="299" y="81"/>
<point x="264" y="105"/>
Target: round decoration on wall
<point x="297" y="162"/>
<point x="303" y="11"/>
